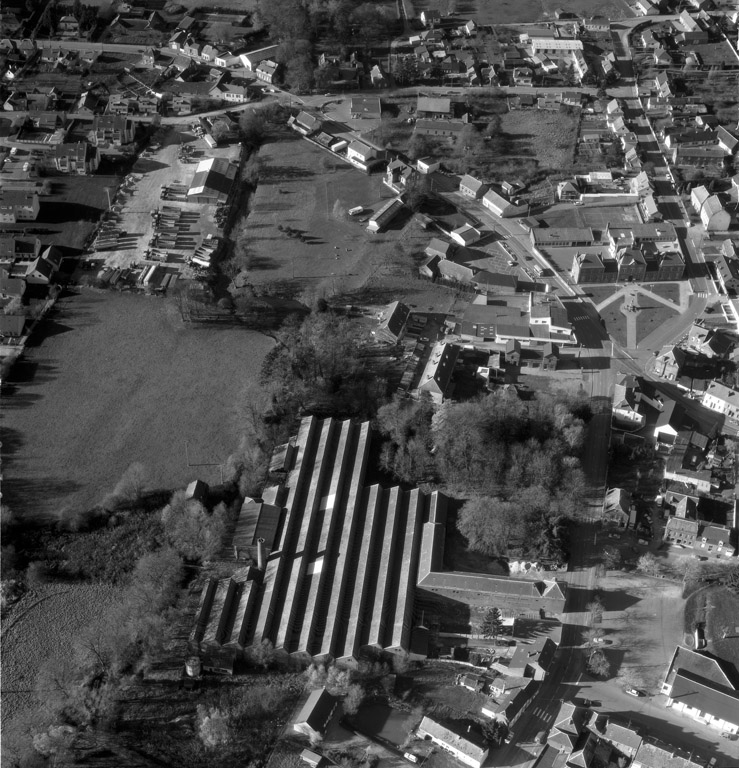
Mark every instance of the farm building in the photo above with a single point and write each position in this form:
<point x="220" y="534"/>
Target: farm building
<point x="316" y="713"/>
<point x="385" y="215"/>
<point x="468" y="747"/>
<point x="212" y="182"/>
<point x="251" y="60"/>
<point x="347" y="561"/>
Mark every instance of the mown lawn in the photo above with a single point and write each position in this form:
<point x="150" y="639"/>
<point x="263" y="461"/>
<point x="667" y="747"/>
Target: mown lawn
<point x="112" y="379"/>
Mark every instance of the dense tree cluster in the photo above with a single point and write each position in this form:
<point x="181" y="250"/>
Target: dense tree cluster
<point x="296" y="25"/>
<point x="519" y="459"/>
<point x="318" y="365"/>
<point x="495" y="445"/>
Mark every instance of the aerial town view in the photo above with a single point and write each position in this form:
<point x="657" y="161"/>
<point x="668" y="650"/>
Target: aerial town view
<point x="370" y="383"/>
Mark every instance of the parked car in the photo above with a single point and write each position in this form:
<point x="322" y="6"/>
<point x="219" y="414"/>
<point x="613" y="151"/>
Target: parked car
<point x="633" y="691"/>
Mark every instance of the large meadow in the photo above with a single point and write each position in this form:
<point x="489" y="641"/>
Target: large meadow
<point x="113" y="379"/>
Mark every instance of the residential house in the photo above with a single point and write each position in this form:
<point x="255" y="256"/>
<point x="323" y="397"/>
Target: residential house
<point x="267" y="70"/>
<point x="465" y="235"/>
<point x="711" y="211"/>
<point x="434" y="108"/>
<point x="447" y="128"/>
<point x="430" y="17"/>
<point x="532" y="659"/>
<point x="659" y="755"/>
<point x="305" y="123"/>
<point x="362" y="155"/>
<point x="727" y="272"/>
<point x="713" y="541"/>
<point x="467" y="745"/>
<point x="369" y="107"/>
<point x="437" y="247"/>
<point x="426" y="165"/>
<point x="682" y="527"/>
<point x="726" y="140"/>
<point x="40" y="271"/>
<point x="314" y="717"/>
<point x="617" y="507"/>
<point x="500" y="206"/>
<point x="523" y="76"/>
<point x="472" y="187"/>
<point x="568" y="724"/>
<point x="436" y="377"/>
<point x="669" y="422"/>
<point x="509" y="698"/>
<point x="111" y="130"/>
<point x="722" y="399"/>
<point x="713" y="343"/>
<point x="18" y="205"/>
<point x="625" y="411"/>
<point x="621" y="736"/>
<point x="80" y="159"/>
<point x="68" y="28"/>
<point x="393" y="323"/>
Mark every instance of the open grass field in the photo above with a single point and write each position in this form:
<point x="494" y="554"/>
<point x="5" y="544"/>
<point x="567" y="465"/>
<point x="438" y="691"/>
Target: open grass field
<point x="669" y="291"/>
<point x="651" y="315"/>
<point x="41" y="626"/>
<point x="309" y="190"/>
<point x="549" y="137"/>
<point x="615" y="321"/>
<point x="112" y="379"/>
<point x="643" y="646"/>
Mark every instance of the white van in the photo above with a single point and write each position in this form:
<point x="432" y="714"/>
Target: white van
<point x="356" y="210"/>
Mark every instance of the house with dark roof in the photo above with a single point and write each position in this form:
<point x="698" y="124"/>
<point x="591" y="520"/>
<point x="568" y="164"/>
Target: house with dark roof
<point x="509" y="698"/>
<point x="660" y="755"/>
<point x="501" y="206"/>
<point x="669" y="422"/>
<point x="621" y="736"/>
<point x="434" y="107"/>
<point x="568" y="724"/>
<point x="469" y="186"/>
<point x="368" y="107"/>
<point x="533" y="659"/>
<point x="305" y="123"/>
<point x="18" y="205"/>
<point x="448" y="128"/>
<point x="78" y="159"/>
<point x="436" y="376"/>
<point x="111" y="130"/>
<point x="314" y="717"/>
<point x="617" y="507"/>
<point x="393" y="323"/>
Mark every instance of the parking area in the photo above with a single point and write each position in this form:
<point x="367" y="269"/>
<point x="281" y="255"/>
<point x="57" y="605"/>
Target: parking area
<point x="149" y="220"/>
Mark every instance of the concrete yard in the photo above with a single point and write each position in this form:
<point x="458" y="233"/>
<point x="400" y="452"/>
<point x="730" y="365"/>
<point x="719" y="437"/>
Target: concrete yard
<point x="130" y="215"/>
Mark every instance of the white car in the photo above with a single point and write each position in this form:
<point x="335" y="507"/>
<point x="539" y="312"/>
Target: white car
<point x="633" y="692"/>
